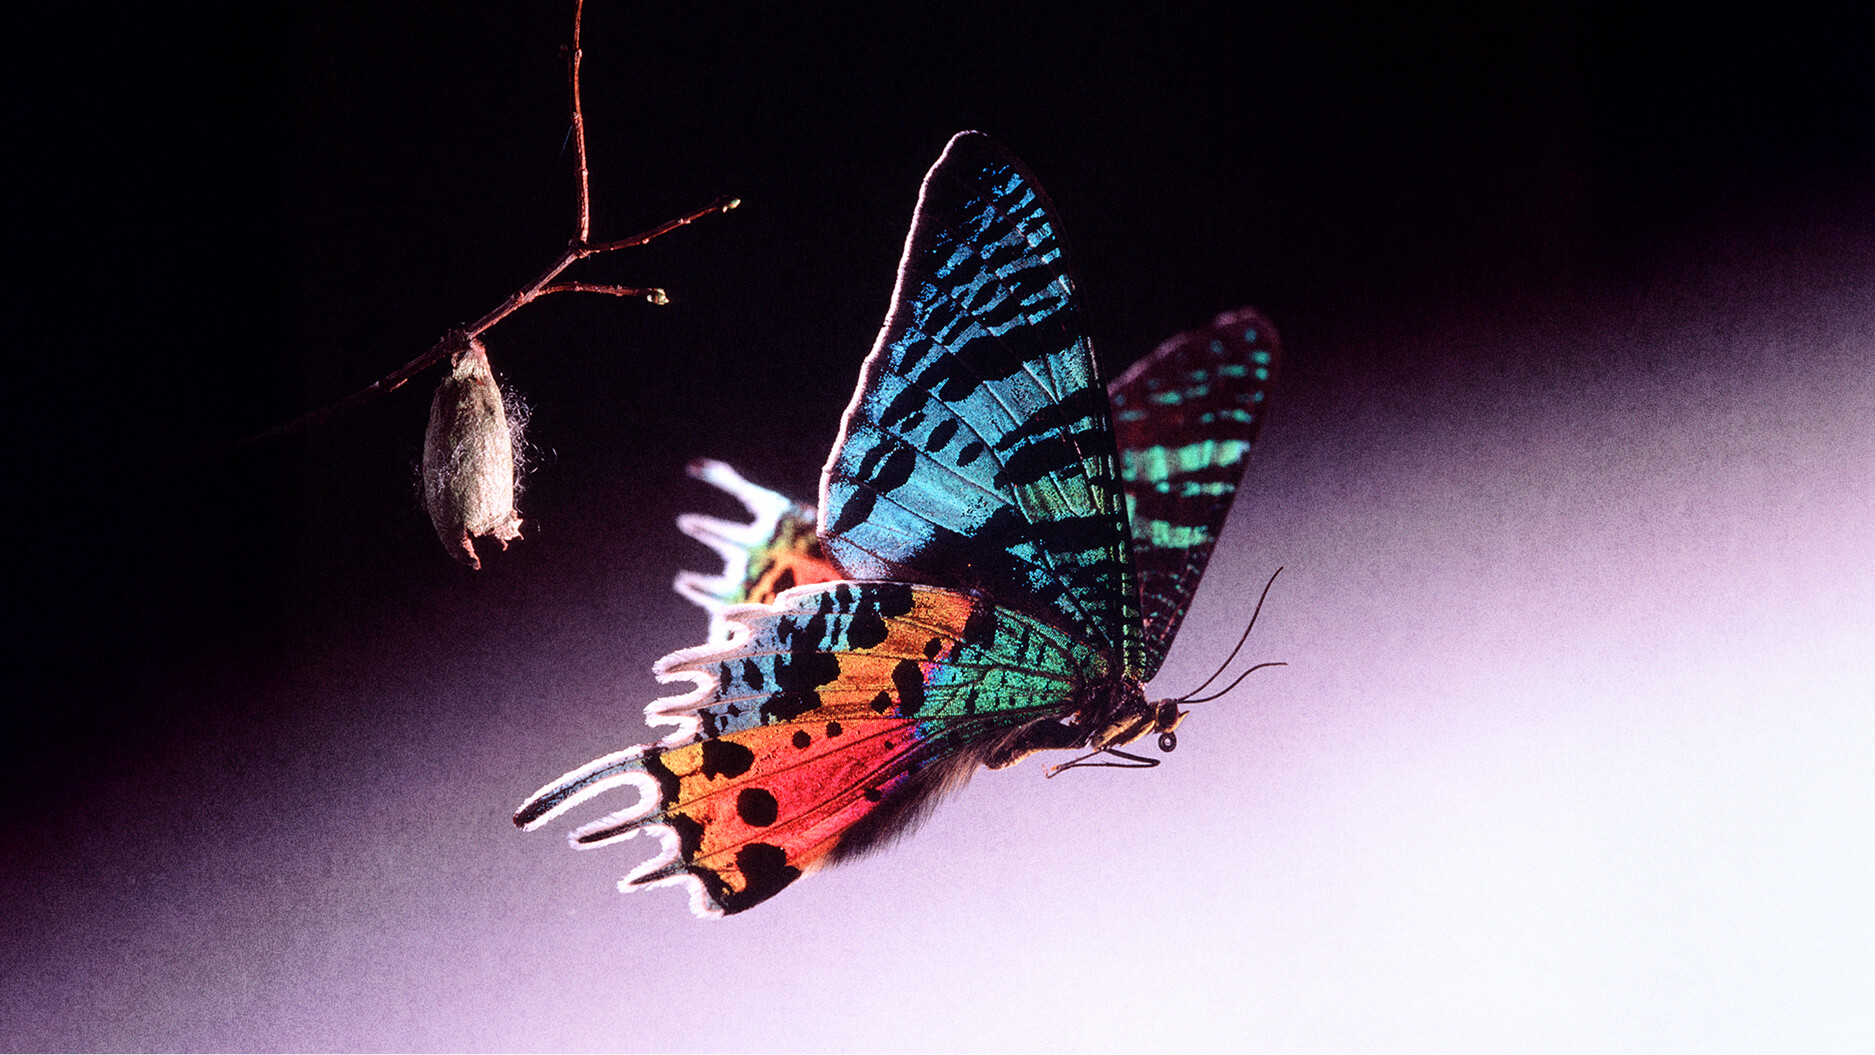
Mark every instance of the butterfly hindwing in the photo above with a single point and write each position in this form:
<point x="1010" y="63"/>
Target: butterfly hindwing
<point x="1184" y="419"/>
<point x="828" y="723"/>
<point x="775" y="551"/>
<point x="977" y="452"/>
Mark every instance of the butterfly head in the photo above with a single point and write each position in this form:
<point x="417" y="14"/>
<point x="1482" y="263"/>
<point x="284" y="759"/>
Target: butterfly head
<point x="1139" y="720"/>
<point x="1135" y="719"/>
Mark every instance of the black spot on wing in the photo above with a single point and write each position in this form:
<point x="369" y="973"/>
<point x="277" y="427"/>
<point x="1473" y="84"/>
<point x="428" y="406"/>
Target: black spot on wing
<point x="982" y="358"/>
<point x="941" y="436"/>
<point x="766" y="872"/>
<point x="801" y="671"/>
<point x="896" y="413"/>
<point x="869" y="464"/>
<point x="669" y="786"/>
<point x="885" y="468"/>
<point x="1054" y="456"/>
<point x="908" y="679"/>
<point x="787" y="706"/>
<point x="689" y="835"/>
<point x="757" y="807"/>
<point x="866" y="629"/>
<point x="726" y="758"/>
<point x="855" y="510"/>
<point x="894" y="599"/>
<point x="1087" y="404"/>
<point x="896" y="470"/>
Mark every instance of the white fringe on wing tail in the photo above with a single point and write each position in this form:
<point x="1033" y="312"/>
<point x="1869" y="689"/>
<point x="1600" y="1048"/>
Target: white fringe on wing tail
<point x="732" y="541"/>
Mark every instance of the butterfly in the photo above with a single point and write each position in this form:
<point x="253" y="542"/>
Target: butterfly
<point x="1002" y="553"/>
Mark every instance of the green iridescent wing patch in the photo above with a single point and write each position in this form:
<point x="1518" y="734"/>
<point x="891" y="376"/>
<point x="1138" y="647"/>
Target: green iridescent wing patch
<point x="1185" y="418"/>
<point x="977" y="453"/>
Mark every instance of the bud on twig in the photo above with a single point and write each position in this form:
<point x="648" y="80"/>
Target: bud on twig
<point x="468" y="459"/>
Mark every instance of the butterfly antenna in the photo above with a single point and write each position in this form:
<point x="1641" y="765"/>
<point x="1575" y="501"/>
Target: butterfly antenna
<point x="1132" y="762"/>
<point x="1232" y="685"/>
<point x="1221" y="667"/>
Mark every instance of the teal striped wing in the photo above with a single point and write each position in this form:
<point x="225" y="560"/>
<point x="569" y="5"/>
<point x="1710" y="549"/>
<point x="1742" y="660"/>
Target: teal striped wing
<point x="977" y="453"/>
<point x="1184" y="419"/>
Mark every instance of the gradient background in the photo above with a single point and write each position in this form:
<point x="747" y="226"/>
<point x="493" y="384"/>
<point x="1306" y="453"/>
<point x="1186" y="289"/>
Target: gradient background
<point x="1570" y="470"/>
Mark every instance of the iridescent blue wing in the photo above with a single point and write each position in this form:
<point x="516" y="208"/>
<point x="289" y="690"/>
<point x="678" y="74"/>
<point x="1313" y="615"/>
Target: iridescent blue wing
<point x="977" y="453"/>
<point x="1184" y="418"/>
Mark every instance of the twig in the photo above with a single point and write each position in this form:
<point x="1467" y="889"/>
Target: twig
<point x="650" y="293"/>
<point x="579" y="132"/>
<point x="578" y="249"/>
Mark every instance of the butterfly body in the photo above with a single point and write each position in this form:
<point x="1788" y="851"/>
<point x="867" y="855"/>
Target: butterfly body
<point x="971" y="592"/>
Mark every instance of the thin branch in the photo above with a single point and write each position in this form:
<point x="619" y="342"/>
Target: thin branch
<point x="650" y="293"/>
<point x="448" y="346"/>
<point x="579" y="133"/>
<point x="576" y="252"/>
<point x="722" y="204"/>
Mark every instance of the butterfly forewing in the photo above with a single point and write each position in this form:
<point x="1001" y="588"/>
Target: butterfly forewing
<point x="977" y="451"/>
<point x="1184" y="419"/>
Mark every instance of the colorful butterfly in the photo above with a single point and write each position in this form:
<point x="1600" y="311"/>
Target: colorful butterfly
<point x="998" y="564"/>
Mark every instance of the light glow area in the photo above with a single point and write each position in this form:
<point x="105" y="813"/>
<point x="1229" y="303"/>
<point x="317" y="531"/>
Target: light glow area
<point x="1571" y="751"/>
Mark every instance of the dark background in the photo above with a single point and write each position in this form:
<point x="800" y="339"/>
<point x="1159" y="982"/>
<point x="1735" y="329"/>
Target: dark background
<point x="231" y="233"/>
<point x="236" y="216"/>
